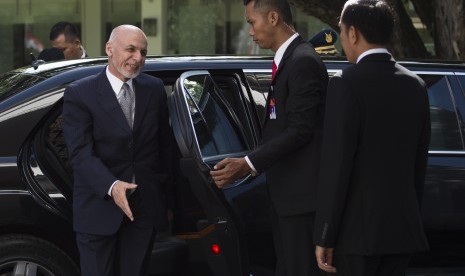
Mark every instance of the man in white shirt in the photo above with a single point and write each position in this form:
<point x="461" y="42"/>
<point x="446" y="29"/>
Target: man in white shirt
<point x="374" y="153"/>
<point x="289" y="148"/>
<point x="118" y="136"/>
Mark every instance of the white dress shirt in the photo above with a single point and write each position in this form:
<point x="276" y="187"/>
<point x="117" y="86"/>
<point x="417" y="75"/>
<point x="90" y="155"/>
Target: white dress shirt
<point x="373" y="51"/>
<point x="277" y="60"/>
<point x="116" y="85"/>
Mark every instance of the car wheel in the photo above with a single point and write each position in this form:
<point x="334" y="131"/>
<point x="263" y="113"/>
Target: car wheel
<point x="22" y="255"/>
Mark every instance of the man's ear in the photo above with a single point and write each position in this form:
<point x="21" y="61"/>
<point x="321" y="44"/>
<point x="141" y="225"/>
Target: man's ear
<point x="273" y="17"/>
<point x="109" y="49"/>
<point x="353" y="35"/>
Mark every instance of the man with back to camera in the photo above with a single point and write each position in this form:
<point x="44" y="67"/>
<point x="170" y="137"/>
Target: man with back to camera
<point x="118" y="137"/>
<point x="65" y="37"/>
<point x="291" y="136"/>
<point x="374" y="153"/>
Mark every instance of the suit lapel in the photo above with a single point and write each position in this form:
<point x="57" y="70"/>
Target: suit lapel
<point x="290" y="49"/>
<point x="142" y="100"/>
<point x="109" y="103"/>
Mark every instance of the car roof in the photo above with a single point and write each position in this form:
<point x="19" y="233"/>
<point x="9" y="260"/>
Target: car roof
<point x="193" y="62"/>
<point x="49" y="69"/>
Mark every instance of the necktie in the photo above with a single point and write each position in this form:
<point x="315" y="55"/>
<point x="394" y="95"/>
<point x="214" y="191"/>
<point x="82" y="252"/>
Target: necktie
<point x="274" y="68"/>
<point x="126" y="102"/>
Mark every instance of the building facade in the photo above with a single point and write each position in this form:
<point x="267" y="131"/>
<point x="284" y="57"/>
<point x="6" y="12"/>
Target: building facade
<point x="173" y="27"/>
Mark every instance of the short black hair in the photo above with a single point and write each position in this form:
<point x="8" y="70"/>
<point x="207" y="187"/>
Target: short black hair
<point x="373" y="18"/>
<point x="281" y="6"/>
<point x="63" y="27"/>
<point x="51" y="54"/>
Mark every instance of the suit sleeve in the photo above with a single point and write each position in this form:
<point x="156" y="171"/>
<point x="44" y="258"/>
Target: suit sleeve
<point x="77" y="128"/>
<point x="306" y="87"/>
<point x="340" y="139"/>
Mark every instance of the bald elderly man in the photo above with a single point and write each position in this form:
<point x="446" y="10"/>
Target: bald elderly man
<point x="116" y="129"/>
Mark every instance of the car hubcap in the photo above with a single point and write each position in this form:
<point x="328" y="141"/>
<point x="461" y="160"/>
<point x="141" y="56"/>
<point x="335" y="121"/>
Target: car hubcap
<point x="23" y="268"/>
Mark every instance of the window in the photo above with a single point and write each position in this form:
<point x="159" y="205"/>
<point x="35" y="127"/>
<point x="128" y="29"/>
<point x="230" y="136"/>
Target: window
<point x="459" y="97"/>
<point x="217" y="128"/>
<point x="445" y="134"/>
<point x="11" y="84"/>
<point x="259" y="85"/>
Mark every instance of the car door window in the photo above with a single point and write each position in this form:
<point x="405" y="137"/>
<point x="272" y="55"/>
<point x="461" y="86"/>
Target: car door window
<point x="217" y="128"/>
<point x="459" y="96"/>
<point x="47" y="162"/>
<point x="259" y="84"/>
<point x="445" y="132"/>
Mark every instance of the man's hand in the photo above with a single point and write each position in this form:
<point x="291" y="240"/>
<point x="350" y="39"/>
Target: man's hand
<point x="228" y="170"/>
<point x="324" y="258"/>
<point x="118" y="193"/>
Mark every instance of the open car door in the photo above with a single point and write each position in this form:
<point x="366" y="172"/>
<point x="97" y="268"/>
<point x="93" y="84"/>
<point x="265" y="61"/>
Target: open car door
<point x="207" y="130"/>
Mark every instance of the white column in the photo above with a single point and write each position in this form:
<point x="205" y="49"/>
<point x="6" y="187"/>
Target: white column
<point x="154" y="24"/>
<point x="93" y="35"/>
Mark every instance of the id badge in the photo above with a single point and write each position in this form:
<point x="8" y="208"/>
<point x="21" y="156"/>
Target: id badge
<point x="272" y="109"/>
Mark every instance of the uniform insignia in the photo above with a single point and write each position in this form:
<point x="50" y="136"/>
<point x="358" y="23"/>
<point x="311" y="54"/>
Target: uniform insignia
<point x="323" y="42"/>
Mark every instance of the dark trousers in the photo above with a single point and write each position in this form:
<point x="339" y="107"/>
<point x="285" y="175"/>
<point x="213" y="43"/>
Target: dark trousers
<point x="293" y="240"/>
<point x="125" y="253"/>
<point x="378" y="265"/>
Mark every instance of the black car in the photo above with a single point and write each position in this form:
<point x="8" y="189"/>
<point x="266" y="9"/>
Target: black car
<point x="216" y="106"/>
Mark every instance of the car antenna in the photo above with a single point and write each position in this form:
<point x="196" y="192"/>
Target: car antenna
<point x="36" y="62"/>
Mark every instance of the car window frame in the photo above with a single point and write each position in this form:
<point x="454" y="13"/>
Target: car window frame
<point x="447" y="74"/>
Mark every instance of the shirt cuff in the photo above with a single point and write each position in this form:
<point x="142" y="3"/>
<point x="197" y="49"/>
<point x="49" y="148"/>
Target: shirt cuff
<point x="252" y="168"/>
<point x="111" y="187"/>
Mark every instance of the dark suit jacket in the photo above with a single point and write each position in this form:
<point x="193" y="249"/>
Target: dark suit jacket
<point x="103" y="149"/>
<point x="289" y="151"/>
<point x="375" y="146"/>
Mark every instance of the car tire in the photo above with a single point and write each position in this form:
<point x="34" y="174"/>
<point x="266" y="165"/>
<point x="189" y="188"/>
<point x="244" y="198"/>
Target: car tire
<point x="31" y="256"/>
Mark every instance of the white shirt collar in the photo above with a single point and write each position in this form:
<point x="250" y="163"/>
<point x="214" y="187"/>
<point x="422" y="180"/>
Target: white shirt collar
<point x="83" y="52"/>
<point x="116" y="83"/>
<point x="280" y="53"/>
<point x="373" y="51"/>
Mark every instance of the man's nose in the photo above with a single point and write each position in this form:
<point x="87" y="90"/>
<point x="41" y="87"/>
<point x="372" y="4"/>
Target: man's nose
<point x="138" y="55"/>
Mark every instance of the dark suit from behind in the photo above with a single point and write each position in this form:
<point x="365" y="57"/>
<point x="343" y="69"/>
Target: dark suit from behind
<point x="103" y="149"/>
<point x="373" y="164"/>
<point x="289" y="154"/>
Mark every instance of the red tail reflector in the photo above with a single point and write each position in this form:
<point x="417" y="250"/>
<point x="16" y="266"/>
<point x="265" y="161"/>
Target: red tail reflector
<point x="216" y="249"/>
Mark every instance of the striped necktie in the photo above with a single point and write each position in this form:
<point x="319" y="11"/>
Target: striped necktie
<point x="126" y="102"/>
